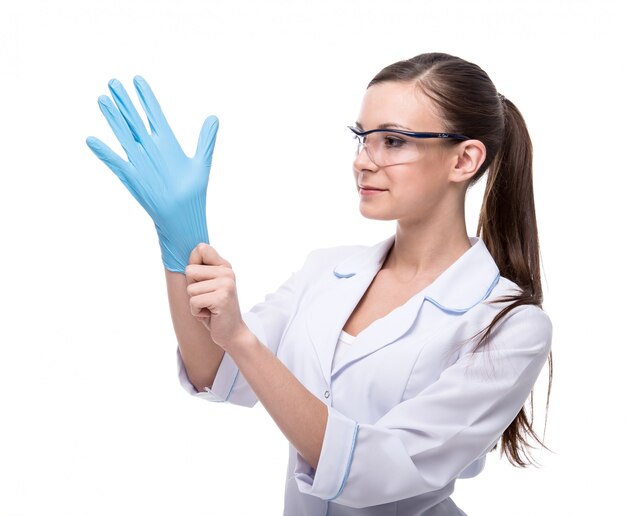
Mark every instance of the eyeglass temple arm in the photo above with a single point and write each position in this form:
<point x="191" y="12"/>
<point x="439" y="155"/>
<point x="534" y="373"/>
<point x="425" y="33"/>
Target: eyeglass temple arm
<point x="449" y="136"/>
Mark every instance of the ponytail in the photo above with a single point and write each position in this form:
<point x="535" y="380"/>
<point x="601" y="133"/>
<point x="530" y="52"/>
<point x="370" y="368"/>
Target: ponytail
<point x="507" y="217"/>
<point x="471" y="105"/>
<point x="508" y="226"/>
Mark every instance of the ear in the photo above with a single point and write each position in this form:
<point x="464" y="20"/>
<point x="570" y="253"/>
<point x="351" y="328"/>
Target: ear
<point x="469" y="157"/>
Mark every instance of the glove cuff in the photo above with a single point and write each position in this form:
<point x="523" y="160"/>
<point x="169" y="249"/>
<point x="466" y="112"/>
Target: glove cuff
<point x="175" y="254"/>
<point x="181" y="234"/>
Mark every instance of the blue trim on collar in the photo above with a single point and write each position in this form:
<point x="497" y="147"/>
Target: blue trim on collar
<point x="463" y="310"/>
<point x="339" y="275"/>
<point x="459" y="284"/>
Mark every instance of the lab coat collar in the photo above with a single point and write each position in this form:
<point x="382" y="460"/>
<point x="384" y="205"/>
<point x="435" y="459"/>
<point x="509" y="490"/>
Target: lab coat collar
<point x="465" y="283"/>
<point x="462" y="285"/>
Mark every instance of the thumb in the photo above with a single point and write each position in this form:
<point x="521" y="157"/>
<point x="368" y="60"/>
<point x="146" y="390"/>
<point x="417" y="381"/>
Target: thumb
<point x="206" y="141"/>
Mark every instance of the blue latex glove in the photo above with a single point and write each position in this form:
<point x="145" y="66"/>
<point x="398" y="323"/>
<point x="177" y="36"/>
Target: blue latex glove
<point x="170" y="186"/>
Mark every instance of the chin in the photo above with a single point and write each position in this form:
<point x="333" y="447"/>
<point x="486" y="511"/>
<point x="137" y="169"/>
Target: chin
<point x="376" y="214"/>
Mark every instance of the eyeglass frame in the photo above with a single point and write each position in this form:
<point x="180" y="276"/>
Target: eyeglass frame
<point x="360" y="134"/>
<point x="448" y="136"/>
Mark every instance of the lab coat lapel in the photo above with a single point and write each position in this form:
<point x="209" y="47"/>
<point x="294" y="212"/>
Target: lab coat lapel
<point x="337" y="298"/>
<point x="464" y="284"/>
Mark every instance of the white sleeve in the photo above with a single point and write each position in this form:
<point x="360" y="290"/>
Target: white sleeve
<point x="425" y="442"/>
<point x="268" y="321"/>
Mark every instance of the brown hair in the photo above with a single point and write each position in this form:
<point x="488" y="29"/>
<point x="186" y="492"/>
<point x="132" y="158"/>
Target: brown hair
<point x="470" y="104"/>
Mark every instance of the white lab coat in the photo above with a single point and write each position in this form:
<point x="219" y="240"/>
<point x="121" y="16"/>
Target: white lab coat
<point x="410" y="410"/>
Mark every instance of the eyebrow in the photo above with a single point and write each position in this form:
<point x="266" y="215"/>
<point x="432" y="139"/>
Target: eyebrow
<point x="386" y="126"/>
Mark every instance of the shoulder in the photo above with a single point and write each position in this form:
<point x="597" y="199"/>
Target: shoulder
<point x="528" y="324"/>
<point x="506" y="288"/>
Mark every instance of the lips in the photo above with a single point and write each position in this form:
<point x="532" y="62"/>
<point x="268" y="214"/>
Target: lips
<point x="367" y="187"/>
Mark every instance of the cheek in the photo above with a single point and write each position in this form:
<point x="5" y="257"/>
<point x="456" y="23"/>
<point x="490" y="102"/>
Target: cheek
<point x="425" y="176"/>
<point x="420" y="188"/>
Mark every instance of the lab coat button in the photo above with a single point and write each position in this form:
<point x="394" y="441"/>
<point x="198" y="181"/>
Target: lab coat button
<point x="326" y="394"/>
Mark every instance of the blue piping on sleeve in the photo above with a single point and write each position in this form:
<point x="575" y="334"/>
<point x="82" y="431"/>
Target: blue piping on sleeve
<point x="339" y="275"/>
<point x="463" y="310"/>
<point x="232" y="385"/>
<point x="345" y="475"/>
<point x="229" y="390"/>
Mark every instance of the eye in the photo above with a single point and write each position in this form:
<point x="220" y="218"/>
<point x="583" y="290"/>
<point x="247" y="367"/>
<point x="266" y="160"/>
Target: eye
<point x="393" y="142"/>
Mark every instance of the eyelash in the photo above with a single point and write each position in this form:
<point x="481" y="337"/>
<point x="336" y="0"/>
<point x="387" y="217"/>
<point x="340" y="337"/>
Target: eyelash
<point x="395" y="142"/>
<point x="392" y="142"/>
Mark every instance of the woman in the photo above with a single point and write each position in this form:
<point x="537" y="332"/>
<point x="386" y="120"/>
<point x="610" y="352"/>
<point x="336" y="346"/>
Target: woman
<point x="391" y="369"/>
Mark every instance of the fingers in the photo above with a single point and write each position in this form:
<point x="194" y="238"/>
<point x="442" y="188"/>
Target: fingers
<point x="206" y="296"/>
<point x="122" y="169"/>
<point x="211" y="303"/>
<point x="204" y="254"/>
<point x="156" y="118"/>
<point x="203" y="273"/>
<point x="199" y="304"/>
<point x="206" y="141"/>
<point x="110" y="158"/>
<point x="212" y="284"/>
<point x="206" y="264"/>
<point x="120" y="127"/>
<point x="130" y="114"/>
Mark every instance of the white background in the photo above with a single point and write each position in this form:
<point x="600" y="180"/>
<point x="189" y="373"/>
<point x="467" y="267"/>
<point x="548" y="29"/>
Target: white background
<point x="92" y="419"/>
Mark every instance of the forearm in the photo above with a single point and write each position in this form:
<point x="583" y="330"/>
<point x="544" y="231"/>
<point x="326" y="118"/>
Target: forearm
<point x="298" y="413"/>
<point x="200" y="354"/>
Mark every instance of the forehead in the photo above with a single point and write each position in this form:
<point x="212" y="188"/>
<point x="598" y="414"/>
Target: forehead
<point x="398" y="103"/>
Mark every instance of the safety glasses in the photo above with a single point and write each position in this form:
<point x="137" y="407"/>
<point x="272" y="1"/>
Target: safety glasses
<point x="392" y="146"/>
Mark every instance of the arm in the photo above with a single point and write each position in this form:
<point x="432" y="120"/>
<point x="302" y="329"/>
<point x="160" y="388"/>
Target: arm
<point x="200" y="355"/>
<point x="250" y="343"/>
<point x="266" y="320"/>
<point x="299" y="414"/>
<point x="171" y="187"/>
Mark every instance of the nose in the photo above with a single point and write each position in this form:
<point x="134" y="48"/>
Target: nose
<point x="362" y="160"/>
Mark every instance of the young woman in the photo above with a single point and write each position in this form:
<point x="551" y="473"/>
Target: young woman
<point x="392" y="369"/>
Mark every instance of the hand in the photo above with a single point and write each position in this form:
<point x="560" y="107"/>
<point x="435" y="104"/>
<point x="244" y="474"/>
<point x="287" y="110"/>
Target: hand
<point x="170" y="186"/>
<point x="213" y="297"/>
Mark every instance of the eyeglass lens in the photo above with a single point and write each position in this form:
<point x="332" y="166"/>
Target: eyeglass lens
<point x="387" y="148"/>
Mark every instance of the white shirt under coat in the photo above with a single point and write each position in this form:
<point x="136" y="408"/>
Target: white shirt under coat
<point x="410" y="410"/>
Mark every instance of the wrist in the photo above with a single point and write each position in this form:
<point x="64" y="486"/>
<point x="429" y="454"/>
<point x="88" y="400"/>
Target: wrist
<point x="242" y="343"/>
<point x="175" y="252"/>
<point x="181" y="226"/>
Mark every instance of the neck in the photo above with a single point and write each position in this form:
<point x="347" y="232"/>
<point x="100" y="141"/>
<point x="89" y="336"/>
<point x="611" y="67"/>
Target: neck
<point x="425" y="251"/>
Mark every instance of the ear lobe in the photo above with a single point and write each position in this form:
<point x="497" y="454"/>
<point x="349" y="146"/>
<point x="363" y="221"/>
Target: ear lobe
<point x="470" y="156"/>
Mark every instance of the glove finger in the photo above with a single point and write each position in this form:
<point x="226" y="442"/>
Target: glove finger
<point x="108" y="157"/>
<point x="206" y="141"/>
<point x="121" y="168"/>
<point x="120" y="128"/>
<point x="130" y="114"/>
<point x="156" y="118"/>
